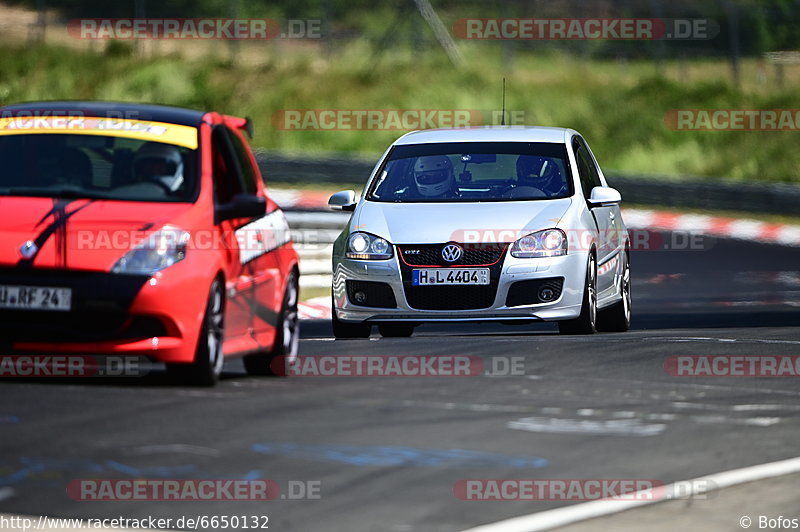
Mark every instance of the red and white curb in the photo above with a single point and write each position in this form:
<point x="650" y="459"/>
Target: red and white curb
<point x="318" y="308"/>
<point x="300" y="199"/>
<point x="740" y="229"/>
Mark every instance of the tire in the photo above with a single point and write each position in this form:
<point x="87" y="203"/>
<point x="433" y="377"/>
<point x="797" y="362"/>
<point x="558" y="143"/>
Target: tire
<point x="586" y="323"/>
<point x="617" y="318"/>
<point x="287" y="337"/>
<point x="396" y="330"/>
<point x="206" y="368"/>
<point x="343" y="330"/>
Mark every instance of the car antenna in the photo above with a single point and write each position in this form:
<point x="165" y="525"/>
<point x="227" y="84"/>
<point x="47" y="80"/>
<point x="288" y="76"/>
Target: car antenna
<point x="503" y="119"/>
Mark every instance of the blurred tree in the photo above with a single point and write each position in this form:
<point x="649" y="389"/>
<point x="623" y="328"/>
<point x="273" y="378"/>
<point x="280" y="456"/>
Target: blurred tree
<point x="764" y="25"/>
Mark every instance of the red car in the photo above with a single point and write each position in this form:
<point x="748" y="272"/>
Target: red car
<point x="141" y="230"/>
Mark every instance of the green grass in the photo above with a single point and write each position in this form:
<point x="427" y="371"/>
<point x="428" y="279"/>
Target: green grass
<point x="618" y="107"/>
<point x="311" y="293"/>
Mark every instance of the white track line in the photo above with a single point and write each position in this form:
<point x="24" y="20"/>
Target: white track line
<point x="559" y="517"/>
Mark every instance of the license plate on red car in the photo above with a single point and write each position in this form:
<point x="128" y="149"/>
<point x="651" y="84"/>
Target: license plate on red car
<point x="35" y="298"/>
<point x="450" y="277"/>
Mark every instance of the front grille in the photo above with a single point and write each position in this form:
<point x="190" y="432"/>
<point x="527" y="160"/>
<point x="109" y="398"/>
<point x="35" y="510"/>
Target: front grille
<point x="97" y="291"/>
<point x="100" y="304"/>
<point x="527" y="292"/>
<point x="452" y="297"/>
<point x="431" y="254"/>
<point x="371" y="294"/>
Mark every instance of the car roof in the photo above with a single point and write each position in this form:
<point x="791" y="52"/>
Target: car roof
<point x="133" y="111"/>
<point x="488" y="134"/>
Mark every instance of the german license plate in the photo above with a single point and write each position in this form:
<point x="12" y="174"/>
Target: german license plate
<point x="450" y="276"/>
<point x="35" y="298"/>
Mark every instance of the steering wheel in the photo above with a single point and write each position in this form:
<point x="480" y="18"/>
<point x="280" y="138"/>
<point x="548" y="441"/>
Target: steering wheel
<point x="525" y="192"/>
<point x="561" y="190"/>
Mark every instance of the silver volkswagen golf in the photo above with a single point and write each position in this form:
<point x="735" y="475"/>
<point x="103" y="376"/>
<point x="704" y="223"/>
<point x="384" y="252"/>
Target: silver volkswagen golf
<point x="499" y="223"/>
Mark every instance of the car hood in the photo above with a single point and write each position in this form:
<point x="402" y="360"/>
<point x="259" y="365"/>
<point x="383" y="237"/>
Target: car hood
<point x="434" y="223"/>
<point x="77" y="234"/>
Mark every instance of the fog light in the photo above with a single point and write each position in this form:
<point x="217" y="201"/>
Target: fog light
<point x="546" y="294"/>
<point x="360" y="297"/>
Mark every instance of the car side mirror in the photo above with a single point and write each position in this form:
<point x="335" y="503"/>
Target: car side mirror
<point x="343" y="201"/>
<point x="242" y="206"/>
<point x="602" y="196"/>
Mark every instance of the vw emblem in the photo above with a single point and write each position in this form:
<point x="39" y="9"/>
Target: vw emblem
<point x="28" y="249"/>
<point x="452" y="252"/>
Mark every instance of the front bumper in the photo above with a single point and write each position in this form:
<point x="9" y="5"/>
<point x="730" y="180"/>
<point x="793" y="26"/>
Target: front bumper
<point x="571" y="268"/>
<point x="158" y="317"/>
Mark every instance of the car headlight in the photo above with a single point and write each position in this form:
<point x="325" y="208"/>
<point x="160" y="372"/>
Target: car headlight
<point x="160" y="250"/>
<point x="547" y="243"/>
<point x="365" y="246"/>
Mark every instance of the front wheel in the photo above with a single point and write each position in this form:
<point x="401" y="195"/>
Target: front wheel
<point x="287" y="337"/>
<point x="206" y="368"/>
<point x="396" y="330"/>
<point x="617" y="318"/>
<point x="586" y="323"/>
<point x="344" y="330"/>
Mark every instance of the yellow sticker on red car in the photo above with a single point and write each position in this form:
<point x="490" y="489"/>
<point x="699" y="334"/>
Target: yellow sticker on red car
<point x="176" y="134"/>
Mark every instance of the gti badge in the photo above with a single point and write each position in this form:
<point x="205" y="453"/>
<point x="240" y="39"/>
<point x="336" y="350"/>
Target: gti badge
<point x="28" y="249"/>
<point x="452" y="252"/>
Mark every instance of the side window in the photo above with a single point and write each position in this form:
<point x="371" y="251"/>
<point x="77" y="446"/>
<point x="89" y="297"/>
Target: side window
<point x="227" y="182"/>
<point x="243" y="160"/>
<point x="589" y="176"/>
<point x="583" y="169"/>
<point x="593" y="173"/>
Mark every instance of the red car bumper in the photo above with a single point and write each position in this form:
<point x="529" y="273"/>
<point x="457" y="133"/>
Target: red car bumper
<point x="159" y="317"/>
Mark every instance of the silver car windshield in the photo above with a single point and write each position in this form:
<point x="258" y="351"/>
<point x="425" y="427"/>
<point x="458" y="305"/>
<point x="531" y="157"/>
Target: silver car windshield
<point x="473" y="172"/>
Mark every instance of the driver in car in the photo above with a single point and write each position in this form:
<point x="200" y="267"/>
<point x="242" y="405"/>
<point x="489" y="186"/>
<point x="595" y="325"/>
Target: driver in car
<point x="542" y="173"/>
<point x="435" y="178"/>
<point x="160" y="164"/>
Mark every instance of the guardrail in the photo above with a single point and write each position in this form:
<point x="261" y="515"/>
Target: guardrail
<point x="282" y="168"/>
<point x="769" y="198"/>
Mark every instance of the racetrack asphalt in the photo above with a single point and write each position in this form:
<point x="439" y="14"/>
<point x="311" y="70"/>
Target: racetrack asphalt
<point x="388" y="451"/>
